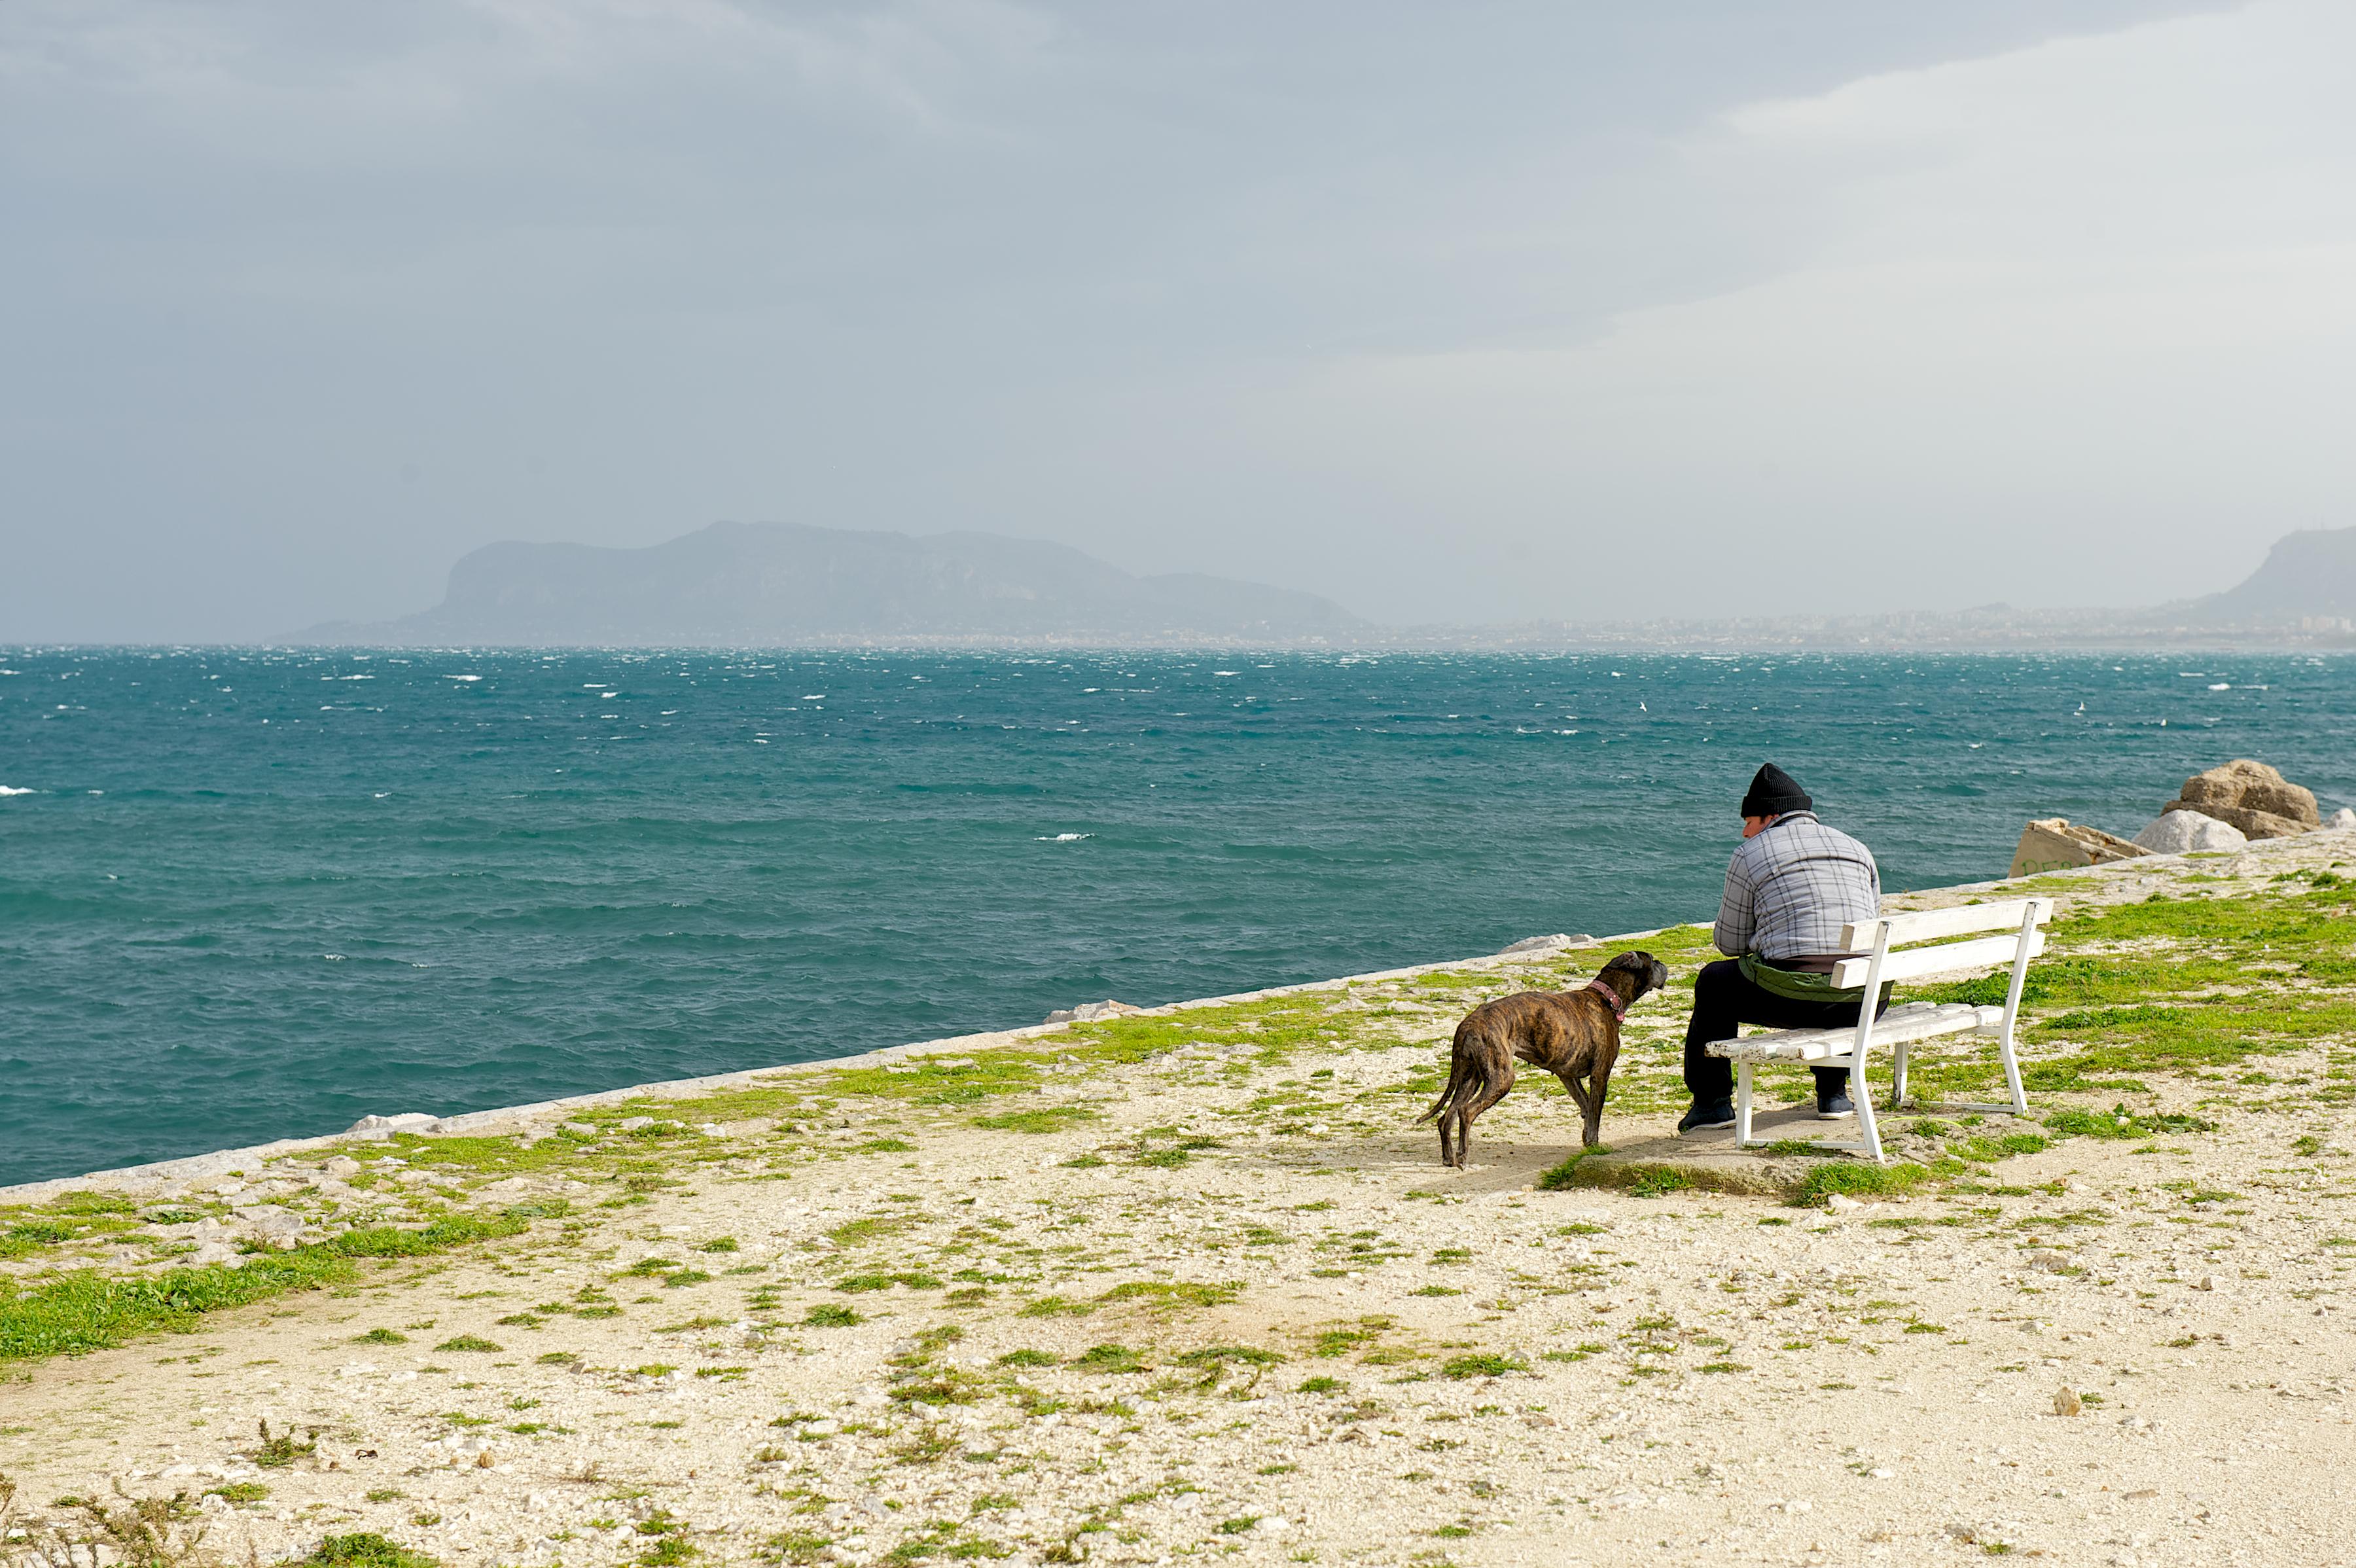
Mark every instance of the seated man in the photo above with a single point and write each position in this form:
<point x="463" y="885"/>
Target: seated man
<point x="1790" y="889"/>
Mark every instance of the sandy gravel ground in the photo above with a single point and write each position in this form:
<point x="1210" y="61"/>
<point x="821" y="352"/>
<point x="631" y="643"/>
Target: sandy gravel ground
<point x="1310" y="1345"/>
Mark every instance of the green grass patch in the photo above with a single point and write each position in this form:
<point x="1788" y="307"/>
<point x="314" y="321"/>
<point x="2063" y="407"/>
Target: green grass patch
<point x="861" y="1285"/>
<point x="1659" y="1181"/>
<point x="1046" y="1119"/>
<point x="1109" y="1358"/>
<point x="1483" y="1365"/>
<point x="953" y="1082"/>
<point x="1857" y="1179"/>
<point x="1163" y="1295"/>
<point x="873" y="1227"/>
<point x="1222" y="1355"/>
<point x="364" y="1549"/>
<point x="1987" y="1151"/>
<point x="1027" y="1358"/>
<point x="1559" y="1178"/>
<point x="276" y="1452"/>
<point x="89" y="1311"/>
<point x="2121" y="1122"/>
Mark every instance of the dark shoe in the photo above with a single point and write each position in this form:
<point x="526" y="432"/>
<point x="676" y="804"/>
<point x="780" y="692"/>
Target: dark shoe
<point x="1703" y="1118"/>
<point x="1833" y="1107"/>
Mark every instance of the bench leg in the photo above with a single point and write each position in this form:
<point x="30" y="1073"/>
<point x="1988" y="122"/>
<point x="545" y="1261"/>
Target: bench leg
<point x="1898" y="1076"/>
<point x="2020" y="1106"/>
<point x="1742" y="1105"/>
<point x="1861" y="1096"/>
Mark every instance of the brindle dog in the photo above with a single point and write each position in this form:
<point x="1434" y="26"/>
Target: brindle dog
<point x="1571" y="1034"/>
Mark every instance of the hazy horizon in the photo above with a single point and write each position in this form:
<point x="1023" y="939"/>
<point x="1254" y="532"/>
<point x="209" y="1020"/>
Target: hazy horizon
<point x="1461" y="318"/>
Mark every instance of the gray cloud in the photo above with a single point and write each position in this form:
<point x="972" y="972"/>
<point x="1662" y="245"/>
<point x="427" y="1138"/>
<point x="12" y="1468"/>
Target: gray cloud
<point x="1416" y="306"/>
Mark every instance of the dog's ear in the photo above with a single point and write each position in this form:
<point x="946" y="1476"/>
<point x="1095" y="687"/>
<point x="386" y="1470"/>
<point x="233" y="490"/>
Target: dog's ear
<point x="1649" y="972"/>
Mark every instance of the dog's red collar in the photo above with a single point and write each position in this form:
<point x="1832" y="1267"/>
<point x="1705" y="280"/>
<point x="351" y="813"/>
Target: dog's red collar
<point x="1619" y="1008"/>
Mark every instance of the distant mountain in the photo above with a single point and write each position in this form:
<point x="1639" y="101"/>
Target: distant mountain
<point x="2312" y="573"/>
<point x="737" y="584"/>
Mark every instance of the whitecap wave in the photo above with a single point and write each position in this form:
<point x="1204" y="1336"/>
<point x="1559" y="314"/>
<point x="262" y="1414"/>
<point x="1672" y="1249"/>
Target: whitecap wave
<point x="1064" y="838"/>
<point x="7" y="789"/>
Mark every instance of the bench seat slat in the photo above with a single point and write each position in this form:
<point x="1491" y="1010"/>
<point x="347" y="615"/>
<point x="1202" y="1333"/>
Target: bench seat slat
<point x="1916" y="1021"/>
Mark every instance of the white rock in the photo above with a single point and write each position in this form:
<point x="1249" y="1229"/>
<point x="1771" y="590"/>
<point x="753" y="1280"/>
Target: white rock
<point x="2179" y="832"/>
<point x="386" y="1126"/>
<point x="1842" y="1203"/>
<point x="343" y="1167"/>
<point x="1546" y="944"/>
<point x="2345" y="817"/>
<point x="269" y="1221"/>
<point x="1090" y="1012"/>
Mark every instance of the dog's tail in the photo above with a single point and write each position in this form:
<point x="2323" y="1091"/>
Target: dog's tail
<point x="1466" y="1078"/>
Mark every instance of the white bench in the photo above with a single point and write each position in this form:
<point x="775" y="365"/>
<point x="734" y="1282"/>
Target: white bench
<point x="2018" y="918"/>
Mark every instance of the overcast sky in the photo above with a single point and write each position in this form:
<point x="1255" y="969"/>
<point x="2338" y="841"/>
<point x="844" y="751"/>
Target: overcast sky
<point x="1455" y="312"/>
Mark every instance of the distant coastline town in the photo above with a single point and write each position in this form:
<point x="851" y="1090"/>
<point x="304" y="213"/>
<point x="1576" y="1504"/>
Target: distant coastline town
<point x="771" y="584"/>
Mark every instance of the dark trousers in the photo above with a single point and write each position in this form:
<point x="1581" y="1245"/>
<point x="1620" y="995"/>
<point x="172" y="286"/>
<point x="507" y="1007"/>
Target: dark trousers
<point x="1723" y="1000"/>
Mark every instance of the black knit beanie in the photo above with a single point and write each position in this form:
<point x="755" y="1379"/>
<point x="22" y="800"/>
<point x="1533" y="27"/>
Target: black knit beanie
<point x="1773" y="792"/>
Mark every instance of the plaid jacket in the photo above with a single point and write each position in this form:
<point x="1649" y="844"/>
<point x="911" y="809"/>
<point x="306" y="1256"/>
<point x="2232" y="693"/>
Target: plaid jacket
<point x="1791" y="888"/>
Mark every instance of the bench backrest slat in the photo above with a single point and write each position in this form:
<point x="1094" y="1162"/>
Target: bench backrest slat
<point x="1987" y="952"/>
<point x="1931" y="925"/>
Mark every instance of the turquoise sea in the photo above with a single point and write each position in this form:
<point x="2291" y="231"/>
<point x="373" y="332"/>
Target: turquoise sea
<point x="251" y="894"/>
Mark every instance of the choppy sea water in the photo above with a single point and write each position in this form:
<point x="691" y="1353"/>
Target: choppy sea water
<point x="247" y="893"/>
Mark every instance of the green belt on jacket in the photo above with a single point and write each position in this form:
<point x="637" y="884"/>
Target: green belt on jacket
<point x="1802" y="985"/>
